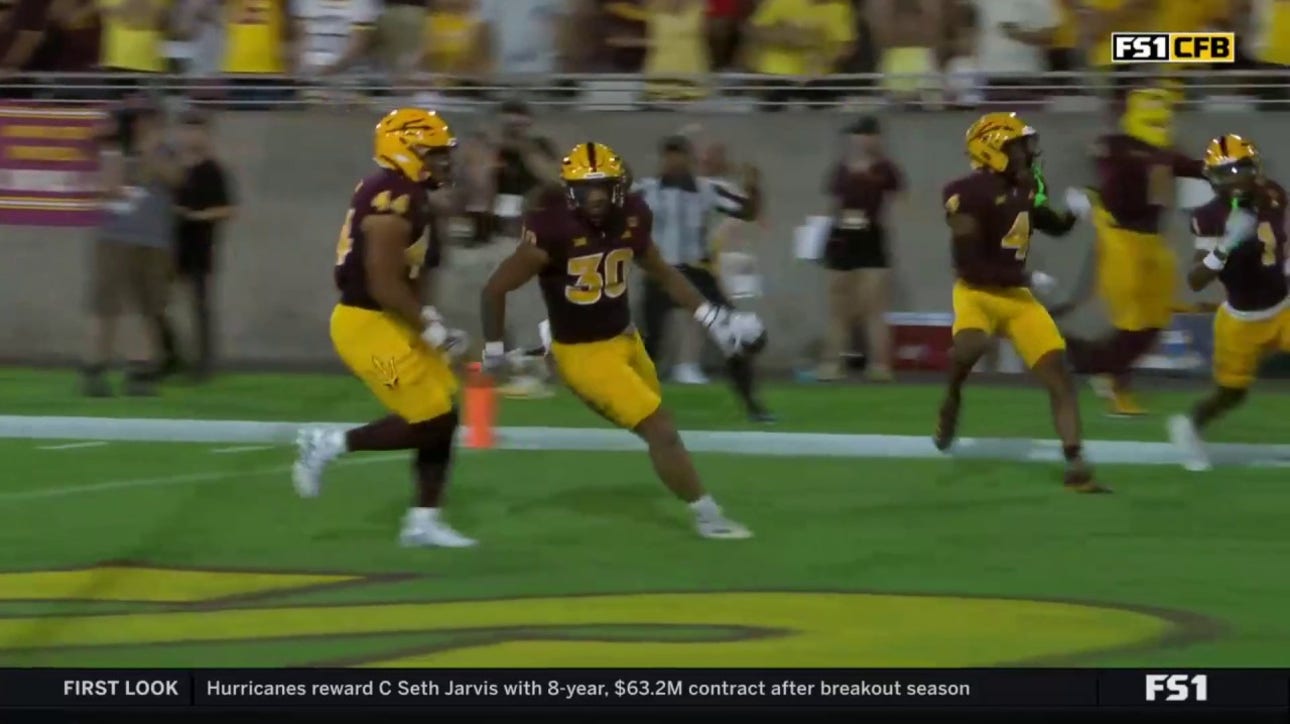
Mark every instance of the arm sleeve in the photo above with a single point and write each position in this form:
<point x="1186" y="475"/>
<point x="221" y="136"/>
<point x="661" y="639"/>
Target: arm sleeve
<point x="727" y="199"/>
<point x="895" y="177"/>
<point x="1050" y="222"/>
<point x="1188" y="167"/>
<point x="643" y="235"/>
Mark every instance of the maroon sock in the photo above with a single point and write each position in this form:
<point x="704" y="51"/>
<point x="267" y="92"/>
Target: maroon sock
<point x="430" y="467"/>
<point x="388" y="433"/>
<point x="1130" y="347"/>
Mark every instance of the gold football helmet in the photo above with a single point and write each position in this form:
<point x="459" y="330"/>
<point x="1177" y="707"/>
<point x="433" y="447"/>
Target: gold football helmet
<point x="590" y="168"/>
<point x="416" y="143"/>
<point x="1149" y="115"/>
<point x="987" y="138"/>
<point x="1231" y="160"/>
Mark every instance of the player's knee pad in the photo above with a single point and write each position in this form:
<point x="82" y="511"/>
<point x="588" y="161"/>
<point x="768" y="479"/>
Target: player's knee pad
<point x="437" y="432"/>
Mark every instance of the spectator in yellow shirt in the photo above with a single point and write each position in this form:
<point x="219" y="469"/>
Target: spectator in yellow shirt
<point x="134" y="35"/>
<point x="801" y="41"/>
<point x="456" y="46"/>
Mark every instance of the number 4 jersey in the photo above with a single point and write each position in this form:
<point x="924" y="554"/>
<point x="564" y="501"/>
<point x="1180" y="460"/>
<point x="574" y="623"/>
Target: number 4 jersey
<point x="1255" y="274"/>
<point x="384" y="192"/>
<point x="1002" y="215"/>
<point x="584" y="284"/>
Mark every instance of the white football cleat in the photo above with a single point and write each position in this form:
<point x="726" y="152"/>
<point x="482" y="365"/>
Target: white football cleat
<point x="721" y="528"/>
<point x="434" y="535"/>
<point x="316" y="449"/>
<point x="1185" y="437"/>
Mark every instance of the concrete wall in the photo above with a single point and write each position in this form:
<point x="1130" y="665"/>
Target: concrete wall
<point x="295" y="171"/>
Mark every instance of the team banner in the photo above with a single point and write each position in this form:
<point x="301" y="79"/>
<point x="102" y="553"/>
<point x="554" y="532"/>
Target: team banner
<point x="48" y="166"/>
<point x="638" y="688"/>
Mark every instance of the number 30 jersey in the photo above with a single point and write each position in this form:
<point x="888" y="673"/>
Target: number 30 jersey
<point x="1002" y="215"/>
<point x="384" y="192"/>
<point x="584" y="284"/>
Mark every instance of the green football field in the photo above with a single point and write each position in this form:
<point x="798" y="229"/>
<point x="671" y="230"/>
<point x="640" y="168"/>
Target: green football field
<point x="180" y="554"/>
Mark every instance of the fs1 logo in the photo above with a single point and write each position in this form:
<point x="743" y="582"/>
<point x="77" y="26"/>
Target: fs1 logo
<point x="1173" y="47"/>
<point x="1177" y="687"/>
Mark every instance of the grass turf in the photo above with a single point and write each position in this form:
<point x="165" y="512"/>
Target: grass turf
<point x="568" y="524"/>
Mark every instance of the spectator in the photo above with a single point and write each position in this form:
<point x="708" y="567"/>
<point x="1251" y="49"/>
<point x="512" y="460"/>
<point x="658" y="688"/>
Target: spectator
<point x="1012" y="39"/>
<point x="723" y="31"/>
<point x="676" y="49"/>
<point x="456" y="44"/>
<point x="25" y="26"/>
<point x="203" y="202"/>
<point x="48" y="36"/>
<point x="200" y="24"/>
<point x="801" y="39"/>
<point x="857" y="254"/>
<point x="333" y="36"/>
<point x="400" y="34"/>
<point x="963" y="78"/>
<point x="131" y="262"/>
<point x="259" y="48"/>
<point x="134" y="35"/>
<point x="524" y="162"/>
<point x="908" y="33"/>
<point x="625" y="24"/>
<point x="1064" y="43"/>
<point x="1273" y="42"/>
<point x="527" y="37"/>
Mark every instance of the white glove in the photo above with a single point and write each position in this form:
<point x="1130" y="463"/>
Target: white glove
<point x="1042" y="284"/>
<point x="1238" y="230"/>
<point x="494" y="358"/>
<point x="456" y="343"/>
<point x="716" y="319"/>
<point x="1078" y="202"/>
<point x="435" y="333"/>
<point x="732" y="331"/>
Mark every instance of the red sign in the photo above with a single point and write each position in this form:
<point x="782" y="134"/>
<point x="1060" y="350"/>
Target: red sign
<point x="49" y="166"/>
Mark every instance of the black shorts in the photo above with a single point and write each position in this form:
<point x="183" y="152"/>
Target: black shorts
<point x="850" y="250"/>
<point x="194" y="259"/>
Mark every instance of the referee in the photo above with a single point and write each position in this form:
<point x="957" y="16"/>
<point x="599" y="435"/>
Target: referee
<point x="683" y="203"/>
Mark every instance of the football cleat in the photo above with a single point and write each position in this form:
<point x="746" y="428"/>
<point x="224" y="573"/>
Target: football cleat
<point x="316" y="448"/>
<point x="433" y="535"/>
<point x="689" y="374"/>
<point x="1079" y="479"/>
<point x="721" y="528"/>
<point x="1184" y="435"/>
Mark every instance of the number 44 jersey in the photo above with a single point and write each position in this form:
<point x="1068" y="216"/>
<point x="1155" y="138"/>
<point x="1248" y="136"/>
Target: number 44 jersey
<point x="385" y="192"/>
<point x="584" y="284"/>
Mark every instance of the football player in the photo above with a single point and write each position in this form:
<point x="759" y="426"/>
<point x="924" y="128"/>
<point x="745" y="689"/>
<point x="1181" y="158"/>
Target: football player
<point x="579" y="242"/>
<point x="1137" y="170"/>
<point x="991" y="213"/>
<point x="382" y="329"/>
<point x="1241" y="242"/>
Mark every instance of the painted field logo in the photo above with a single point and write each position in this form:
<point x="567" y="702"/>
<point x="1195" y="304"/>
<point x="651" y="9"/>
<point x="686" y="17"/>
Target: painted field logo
<point x="1173" y="47"/>
<point x="140" y="616"/>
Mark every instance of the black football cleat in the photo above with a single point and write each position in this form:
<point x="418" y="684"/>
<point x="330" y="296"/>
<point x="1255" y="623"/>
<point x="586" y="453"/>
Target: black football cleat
<point x="96" y="385"/>
<point x="761" y="416"/>
<point x="947" y="424"/>
<point x="1079" y="479"/>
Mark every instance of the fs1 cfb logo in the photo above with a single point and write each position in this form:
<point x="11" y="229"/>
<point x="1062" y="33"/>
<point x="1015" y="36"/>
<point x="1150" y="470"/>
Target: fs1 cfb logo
<point x="1173" y="47"/>
<point x="1177" y="687"/>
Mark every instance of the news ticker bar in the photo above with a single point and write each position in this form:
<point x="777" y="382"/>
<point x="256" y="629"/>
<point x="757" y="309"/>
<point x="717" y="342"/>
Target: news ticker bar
<point x="607" y="688"/>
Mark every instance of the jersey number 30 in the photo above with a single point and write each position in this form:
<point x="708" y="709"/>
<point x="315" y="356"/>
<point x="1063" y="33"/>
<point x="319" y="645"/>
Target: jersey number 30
<point x="597" y="276"/>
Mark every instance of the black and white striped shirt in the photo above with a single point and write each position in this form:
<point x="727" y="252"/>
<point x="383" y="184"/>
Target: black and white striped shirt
<point x="682" y="207"/>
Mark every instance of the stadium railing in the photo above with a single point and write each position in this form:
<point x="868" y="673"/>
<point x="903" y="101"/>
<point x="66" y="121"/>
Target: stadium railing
<point x="731" y="92"/>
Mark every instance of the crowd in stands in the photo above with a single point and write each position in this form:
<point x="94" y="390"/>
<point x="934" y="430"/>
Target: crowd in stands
<point x="967" y="48"/>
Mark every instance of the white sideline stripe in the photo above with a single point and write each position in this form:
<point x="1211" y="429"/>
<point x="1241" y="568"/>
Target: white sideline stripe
<point x="239" y="449"/>
<point x="73" y="445"/>
<point x="168" y="480"/>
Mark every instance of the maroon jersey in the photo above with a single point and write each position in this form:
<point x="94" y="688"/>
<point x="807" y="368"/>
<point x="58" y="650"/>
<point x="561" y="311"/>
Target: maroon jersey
<point x="1002" y="214"/>
<point x="384" y="192"/>
<point x="1136" y="180"/>
<point x="859" y="196"/>
<point x="585" y="283"/>
<point x="1255" y="274"/>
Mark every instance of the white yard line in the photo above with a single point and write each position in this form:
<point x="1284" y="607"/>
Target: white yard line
<point x="240" y="449"/>
<point x="73" y="445"/>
